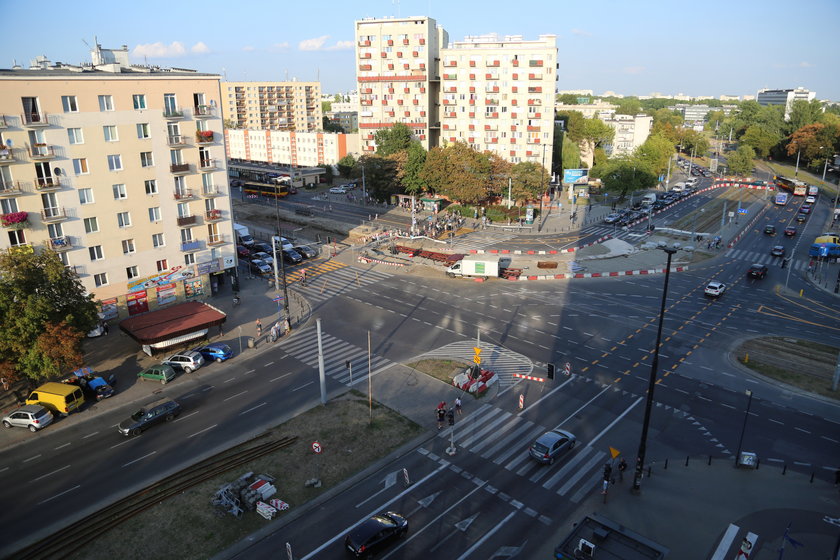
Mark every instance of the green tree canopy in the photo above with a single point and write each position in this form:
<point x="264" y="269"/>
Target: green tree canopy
<point x="655" y="153"/>
<point x="567" y="99"/>
<point x="625" y="175"/>
<point x="380" y="175"/>
<point x="803" y="113"/>
<point x="458" y="172"/>
<point x="570" y="154"/>
<point x="326" y="106"/>
<point x="345" y="165"/>
<point x="740" y="162"/>
<point x="392" y="140"/>
<point x="528" y="180"/>
<point x="760" y="140"/>
<point x="694" y="142"/>
<point x="38" y="295"/>
<point x="415" y="160"/>
<point x="330" y="126"/>
<point x="628" y="106"/>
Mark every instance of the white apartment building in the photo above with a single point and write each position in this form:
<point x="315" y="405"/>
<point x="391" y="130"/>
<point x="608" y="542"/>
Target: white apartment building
<point x="630" y="132"/>
<point x="493" y="93"/>
<point x="121" y="170"/>
<point x="589" y="110"/>
<point x="290" y="148"/>
<point x="273" y="105"/>
<point x="784" y="97"/>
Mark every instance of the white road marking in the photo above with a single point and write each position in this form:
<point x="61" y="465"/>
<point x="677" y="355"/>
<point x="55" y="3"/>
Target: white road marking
<point x="52" y="473"/>
<point x="202" y="431"/>
<point x="252" y="408"/>
<point x="31" y="459"/>
<point x="90" y="435"/>
<point x="302" y="386"/>
<point x="801" y="430"/>
<point x="140" y="459"/>
<point x="281" y="377"/>
<point x="60" y="446"/>
<point x="234" y="396"/>
<point x="61" y="494"/>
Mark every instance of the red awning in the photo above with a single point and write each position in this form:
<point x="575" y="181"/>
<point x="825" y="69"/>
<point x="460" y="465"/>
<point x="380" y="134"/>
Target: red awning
<point x="172" y="322"/>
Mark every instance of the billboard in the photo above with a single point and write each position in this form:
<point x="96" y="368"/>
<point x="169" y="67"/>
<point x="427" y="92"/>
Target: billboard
<point x="575" y="175"/>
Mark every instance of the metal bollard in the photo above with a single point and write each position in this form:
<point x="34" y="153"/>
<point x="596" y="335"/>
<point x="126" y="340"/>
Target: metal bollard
<point x="710" y="460"/>
<point x="812" y="477"/>
<point x="784" y="469"/>
<point x="686" y="460"/>
<point x="666" y="464"/>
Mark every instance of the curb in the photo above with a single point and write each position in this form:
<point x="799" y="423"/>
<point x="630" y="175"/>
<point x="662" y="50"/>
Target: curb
<point x="598" y="274"/>
<point x="520" y="252"/>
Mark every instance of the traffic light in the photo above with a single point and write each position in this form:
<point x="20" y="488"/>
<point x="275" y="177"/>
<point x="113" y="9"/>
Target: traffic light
<point x="347" y="364"/>
<point x="451" y="417"/>
<point x="550" y="372"/>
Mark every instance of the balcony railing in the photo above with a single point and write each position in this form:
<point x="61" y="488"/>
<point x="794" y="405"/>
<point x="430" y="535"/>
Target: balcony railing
<point x="176" y="141"/>
<point x="7" y="155"/>
<point x="173" y="113"/>
<point x="179" y="168"/>
<point x="40" y="152"/>
<point x="184" y="221"/>
<point x="3" y="121"/>
<point x="208" y="164"/>
<point x="47" y="183"/>
<point x="34" y="119"/>
<point x="535" y="63"/>
<point x="11" y="188"/>
<point x="211" y="191"/>
<point x="213" y="215"/>
<point x="62" y="243"/>
<point x="183" y="194"/>
<point x="204" y="111"/>
<point x="204" y="136"/>
<point x="190" y="246"/>
<point x="53" y="214"/>
<point x="217" y="239"/>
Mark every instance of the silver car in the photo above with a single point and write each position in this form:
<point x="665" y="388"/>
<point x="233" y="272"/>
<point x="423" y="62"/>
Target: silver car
<point x="187" y="362"/>
<point x="32" y="416"/>
<point x="551" y="445"/>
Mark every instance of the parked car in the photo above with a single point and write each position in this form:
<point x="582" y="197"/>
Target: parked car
<point x="790" y="231"/>
<point x="338" y="190"/>
<point x="94" y="387"/>
<point x="260" y="267"/>
<point x="291" y="256"/>
<point x="265" y="257"/>
<point x="374" y="534"/>
<point x="215" y="351"/>
<point x="612" y="218"/>
<point x="187" y="362"/>
<point x="551" y="445"/>
<point x="306" y="251"/>
<point x="757" y="271"/>
<point x="778" y="251"/>
<point x="243" y="252"/>
<point x="164" y="410"/>
<point x="160" y="372"/>
<point x="715" y="289"/>
<point x="32" y="416"/>
<point x="770" y="230"/>
<point x="264" y="247"/>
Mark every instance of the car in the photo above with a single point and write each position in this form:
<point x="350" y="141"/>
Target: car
<point x="94" y="386"/>
<point x="187" y="362"/>
<point x="160" y="372"/>
<point x="778" y="251"/>
<point x="260" y="267"/>
<point x="215" y="351"/>
<point x="306" y="251"/>
<point x="338" y="190"/>
<point x="757" y="271"/>
<point x="375" y="533"/>
<point x="715" y="289"/>
<point x="801" y="217"/>
<point x="264" y="247"/>
<point x="790" y="231"/>
<point x="243" y="252"/>
<point x="612" y="218"/>
<point x="770" y="230"/>
<point x="551" y="445"/>
<point x="265" y="257"/>
<point x="32" y="416"/>
<point x="810" y="199"/>
<point x="707" y="174"/>
<point x="164" y="410"/>
<point x="805" y="209"/>
<point x="291" y="256"/>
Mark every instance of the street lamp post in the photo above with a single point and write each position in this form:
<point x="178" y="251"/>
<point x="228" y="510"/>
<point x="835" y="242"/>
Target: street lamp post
<point x="542" y="189"/>
<point x="744" y="426"/>
<point x="796" y="173"/>
<point x="275" y="239"/>
<point x="654" y="366"/>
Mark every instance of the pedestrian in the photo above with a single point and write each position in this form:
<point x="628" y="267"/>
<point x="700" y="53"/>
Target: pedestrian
<point x="303" y="277"/>
<point x="622" y="466"/>
<point x="458" y="405"/>
<point x="286" y="326"/>
<point x="441" y="416"/>
<point x="259" y="328"/>
<point x="441" y="405"/>
<point x="450" y="416"/>
<point x="106" y="327"/>
<point x="607" y="472"/>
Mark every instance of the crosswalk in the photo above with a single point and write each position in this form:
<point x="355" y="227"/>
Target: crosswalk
<point x="495" y="358"/>
<point x="479" y="240"/>
<point x="304" y="347"/>
<point x="504" y="438"/>
<point x="329" y="279"/>
<point x="755" y="257"/>
<point x="615" y="232"/>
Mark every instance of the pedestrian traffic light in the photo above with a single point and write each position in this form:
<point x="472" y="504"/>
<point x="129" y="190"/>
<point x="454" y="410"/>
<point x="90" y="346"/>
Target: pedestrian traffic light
<point x="550" y="372"/>
<point x="347" y="364"/>
<point x="451" y="417"/>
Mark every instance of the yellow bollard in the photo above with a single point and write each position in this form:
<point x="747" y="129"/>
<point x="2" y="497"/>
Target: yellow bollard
<point x="802" y="291"/>
<point x="746" y="358"/>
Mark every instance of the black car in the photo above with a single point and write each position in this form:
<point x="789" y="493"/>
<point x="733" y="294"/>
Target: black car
<point x="291" y="256"/>
<point x="306" y="251"/>
<point x="374" y="534"/>
<point x="770" y="230"/>
<point x="164" y="410"/>
<point x="757" y="271"/>
<point x="262" y="247"/>
<point x="801" y="217"/>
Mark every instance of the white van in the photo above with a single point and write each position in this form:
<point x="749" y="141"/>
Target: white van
<point x="679" y="187"/>
<point x="692" y="181"/>
<point x="649" y="198"/>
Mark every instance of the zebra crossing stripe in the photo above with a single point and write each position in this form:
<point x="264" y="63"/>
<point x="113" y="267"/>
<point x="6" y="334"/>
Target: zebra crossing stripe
<point x="488" y="428"/>
<point x="513" y="435"/>
<point x="570" y="465"/>
<point x="578" y="475"/>
<point x="475" y="426"/>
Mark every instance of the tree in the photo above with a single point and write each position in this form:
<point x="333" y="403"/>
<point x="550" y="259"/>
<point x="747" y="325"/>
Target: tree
<point x="655" y="153"/>
<point x="40" y="296"/>
<point x="392" y="140"/>
<point x="329" y="172"/>
<point x="570" y="154"/>
<point x="629" y="106"/>
<point x="527" y="180"/>
<point x="326" y="106"/>
<point x="814" y="142"/>
<point x="567" y="99"/>
<point x="230" y="124"/>
<point x="500" y="172"/>
<point x="625" y="175"/>
<point x="415" y="160"/>
<point x="803" y="113"/>
<point x="345" y="165"/>
<point x="760" y="140"/>
<point x="693" y="141"/>
<point x="714" y="119"/>
<point x="740" y="161"/>
<point x="380" y="176"/>
<point x="458" y="172"/>
<point x="330" y="126"/>
<point x="589" y="134"/>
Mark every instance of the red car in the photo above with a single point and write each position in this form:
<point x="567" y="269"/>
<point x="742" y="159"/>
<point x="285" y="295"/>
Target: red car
<point x="790" y="231"/>
<point x="242" y="252"/>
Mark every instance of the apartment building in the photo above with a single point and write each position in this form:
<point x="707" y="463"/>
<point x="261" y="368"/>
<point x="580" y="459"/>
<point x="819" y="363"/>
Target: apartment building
<point x="347" y="120"/>
<point x="784" y="97"/>
<point x="631" y="131"/>
<point x="290" y="148"/>
<point x="589" y="110"/>
<point x="121" y="170"/>
<point x="272" y="105"/>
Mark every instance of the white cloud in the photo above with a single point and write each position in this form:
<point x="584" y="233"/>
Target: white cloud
<point x="200" y="48"/>
<point x="313" y="44"/>
<point x="341" y="46"/>
<point x="248" y="48"/>
<point x="633" y="69"/>
<point x="805" y="64"/>
<point x="283" y="45"/>
<point x="174" y="49"/>
<point x="581" y="33"/>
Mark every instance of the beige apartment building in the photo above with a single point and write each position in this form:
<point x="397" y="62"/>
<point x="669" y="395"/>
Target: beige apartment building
<point x="121" y="170"/>
<point x="273" y="105"/>
<point x="290" y="148"/>
<point x="493" y="93"/>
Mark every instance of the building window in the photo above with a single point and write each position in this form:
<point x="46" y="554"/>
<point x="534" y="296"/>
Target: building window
<point x="75" y="136"/>
<point x="80" y="166"/>
<point x="91" y="225"/>
<point x="186" y="235"/>
<point x="63" y="258"/>
<point x="86" y="196"/>
<point x="146" y="159"/>
<point x="8" y="205"/>
<point x="100" y="279"/>
<point x="17" y="237"/>
<point x="151" y="186"/>
<point x="189" y="259"/>
<point x="106" y="103"/>
<point x="161" y="265"/>
<point x="119" y="192"/>
<point x="139" y="100"/>
<point x="115" y="162"/>
<point x="128" y="246"/>
<point x="123" y="219"/>
<point x="68" y="102"/>
<point x="143" y="131"/>
<point x="154" y="214"/>
<point x="184" y="210"/>
<point x="96" y="253"/>
<point x="110" y="133"/>
<point x="131" y="272"/>
<point x="157" y="240"/>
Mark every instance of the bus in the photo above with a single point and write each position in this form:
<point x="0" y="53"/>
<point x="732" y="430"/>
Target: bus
<point x="274" y="190"/>
<point x="813" y="191"/>
<point x="781" y="198"/>
<point x="798" y="188"/>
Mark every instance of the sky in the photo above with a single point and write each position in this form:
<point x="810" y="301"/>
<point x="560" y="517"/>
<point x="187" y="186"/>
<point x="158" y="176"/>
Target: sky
<point x="714" y="47"/>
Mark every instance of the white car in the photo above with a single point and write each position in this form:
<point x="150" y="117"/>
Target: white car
<point x="715" y="289"/>
<point x="810" y="200"/>
<point x="338" y="190"/>
<point x="265" y="257"/>
<point x="612" y="218"/>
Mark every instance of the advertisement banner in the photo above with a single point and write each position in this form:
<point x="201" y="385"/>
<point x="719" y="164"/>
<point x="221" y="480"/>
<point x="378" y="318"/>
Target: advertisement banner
<point x="166" y="294"/>
<point x="575" y="175"/>
<point x="174" y="274"/>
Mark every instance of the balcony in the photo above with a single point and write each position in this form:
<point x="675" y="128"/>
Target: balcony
<point x="204" y="111"/>
<point x="41" y="152"/>
<point x="491" y="116"/>
<point x="53" y="214"/>
<point x="213" y="215"/>
<point x="450" y="76"/>
<point x="535" y="63"/>
<point x="535" y="102"/>
<point x="173" y="113"/>
<point x="491" y="89"/>
<point x="491" y="101"/>
<point x="208" y="164"/>
<point x="176" y="141"/>
<point x="180" y="168"/>
<point x="46" y="184"/>
<point x="533" y="140"/>
<point x="204" y="136"/>
<point x="191" y="246"/>
<point x="34" y="120"/>
<point x="62" y="243"/>
<point x="7" y="156"/>
<point x="534" y="90"/>
<point x="218" y="239"/>
<point x="535" y="76"/>
<point x="3" y="123"/>
<point x="364" y="43"/>
<point x="15" y="220"/>
<point x="365" y="67"/>
<point x="186" y="221"/>
<point x="183" y="194"/>
<point x="364" y="55"/>
<point x="211" y="192"/>
<point x="11" y="188"/>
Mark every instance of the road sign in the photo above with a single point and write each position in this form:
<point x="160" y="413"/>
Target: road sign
<point x="742" y="210"/>
<point x="316" y="447"/>
<point x="477" y="359"/>
<point x="477" y="350"/>
<point x="614" y="452"/>
<point x="567" y="368"/>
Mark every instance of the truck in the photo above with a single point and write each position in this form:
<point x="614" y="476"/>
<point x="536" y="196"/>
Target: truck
<point x="649" y="198"/>
<point x="475" y="266"/>
<point x="781" y="198"/>
<point x="243" y="236"/>
<point x="813" y="191"/>
<point x="830" y="250"/>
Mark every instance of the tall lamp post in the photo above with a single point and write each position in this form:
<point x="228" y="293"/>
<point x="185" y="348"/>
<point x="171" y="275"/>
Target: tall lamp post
<point x="654" y="366"/>
<point x="743" y="427"/>
<point x="542" y="189"/>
